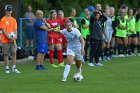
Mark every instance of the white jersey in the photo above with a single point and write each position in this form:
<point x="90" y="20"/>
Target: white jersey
<point x="73" y="39"/>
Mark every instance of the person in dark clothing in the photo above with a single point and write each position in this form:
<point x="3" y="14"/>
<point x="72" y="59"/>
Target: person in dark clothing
<point x="96" y="37"/>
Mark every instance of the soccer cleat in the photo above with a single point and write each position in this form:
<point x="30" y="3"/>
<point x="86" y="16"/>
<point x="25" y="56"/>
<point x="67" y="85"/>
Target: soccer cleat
<point x="16" y="71"/>
<point x="91" y="64"/>
<point x="64" y="79"/>
<point x="7" y="71"/>
<point x="61" y="64"/>
<point x="38" y="67"/>
<point x="43" y="68"/>
<point x="99" y="64"/>
<point x="53" y="65"/>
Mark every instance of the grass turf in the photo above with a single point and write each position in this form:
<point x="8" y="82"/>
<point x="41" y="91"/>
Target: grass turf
<point x="120" y="75"/>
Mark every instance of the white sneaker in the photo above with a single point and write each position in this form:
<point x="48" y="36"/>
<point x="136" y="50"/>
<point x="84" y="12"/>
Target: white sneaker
<point x="108" y="58"/>
<point x="16" y="71"/>
<point x="64" y="79"/>
<point x="99" y="64"/>
<point x="91" y="64"/>
<point x="7" y="71"/>
<point x="138" y="54"/>
<point x="121" y="55"/>
<point x="133" y="54"/>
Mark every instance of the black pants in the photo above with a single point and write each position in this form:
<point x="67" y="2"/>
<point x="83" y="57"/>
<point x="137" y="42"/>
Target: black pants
<point x="95" y="51"/>
<point x="87" y="43"/>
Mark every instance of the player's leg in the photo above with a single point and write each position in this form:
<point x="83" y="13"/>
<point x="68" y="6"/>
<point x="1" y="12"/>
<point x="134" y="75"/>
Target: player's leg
<point x="92" y="53"/>
<point x="125" y="42"/>
<point x="129" y="45"/>
<point x="70" y="57"/>
<point x="51" y="55"/>
<point x="6" y="48"/>
<point x="60" y="55"/>
<point x="87" y="43"/>
<point x="14" y="49"/>
<point x="58" y="44"/>
<point x="38" y="61"/>
<point x="135" y="42"/>
<point x="45" y="48"/>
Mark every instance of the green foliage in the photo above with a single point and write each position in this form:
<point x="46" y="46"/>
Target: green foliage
<point x="79" y="5"/>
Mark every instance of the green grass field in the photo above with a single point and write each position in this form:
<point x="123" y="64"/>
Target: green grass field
<point x="121" y="75"/>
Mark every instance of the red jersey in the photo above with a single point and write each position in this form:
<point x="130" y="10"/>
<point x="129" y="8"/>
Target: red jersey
<point x="62" y="22"/>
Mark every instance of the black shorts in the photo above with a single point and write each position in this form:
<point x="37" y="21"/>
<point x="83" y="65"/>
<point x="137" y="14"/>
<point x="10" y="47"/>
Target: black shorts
<point x="132" y="35"/>
<point x="114" y="33"/>
<point x="138" y="34"/>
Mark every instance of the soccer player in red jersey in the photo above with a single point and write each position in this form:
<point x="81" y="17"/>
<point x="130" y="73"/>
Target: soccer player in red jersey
<point x="54" y="40"/>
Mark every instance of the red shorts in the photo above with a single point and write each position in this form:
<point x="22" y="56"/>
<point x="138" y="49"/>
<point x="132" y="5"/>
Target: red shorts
<point x="53" y="38"/>
<point x="62" y="39"/>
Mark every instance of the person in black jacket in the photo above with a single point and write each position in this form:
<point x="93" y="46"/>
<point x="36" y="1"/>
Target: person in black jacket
<point x="96" y="37"/>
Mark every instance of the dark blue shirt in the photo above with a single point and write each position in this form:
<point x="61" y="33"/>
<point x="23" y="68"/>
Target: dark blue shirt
<point x="41" y="35"/>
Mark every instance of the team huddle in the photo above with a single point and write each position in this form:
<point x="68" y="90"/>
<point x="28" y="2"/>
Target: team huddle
<point x="105" y="33"/>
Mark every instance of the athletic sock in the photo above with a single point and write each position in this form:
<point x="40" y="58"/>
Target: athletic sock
<point x="13" y="67"/>
<point x="66" y="71"/>
<point x="51" y="56"/>
<point x="7" y="67"/>
<point x="60" y="56"/>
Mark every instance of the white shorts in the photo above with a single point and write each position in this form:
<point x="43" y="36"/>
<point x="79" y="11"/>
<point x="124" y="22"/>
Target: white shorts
<point x="76" y="54"/>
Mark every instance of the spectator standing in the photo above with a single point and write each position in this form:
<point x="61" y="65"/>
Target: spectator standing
<point x="9" y="26"/>
<point x="41" y="28"/>
<point x="85" y="31"/>
<point x="72" y="17"/>
<point x="96" y="35"/>
<point x="108" y="30"/>
<point x="54" y="40"/>
<point x="113" y="42"/>
<point x="138" y="30"/>
<point x="132" y="37"/>
<point x="29" y="27"/>
<point x="121" y="34"/>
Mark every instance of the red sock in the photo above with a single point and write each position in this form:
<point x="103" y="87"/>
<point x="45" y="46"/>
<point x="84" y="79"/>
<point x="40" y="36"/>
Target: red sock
<point x="59" y="56"/>
<point x="51" y="56"/>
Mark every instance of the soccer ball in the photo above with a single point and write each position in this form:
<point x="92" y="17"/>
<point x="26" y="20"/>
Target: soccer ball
<point x="12" y="34"/>
<point x="77" y="77"/>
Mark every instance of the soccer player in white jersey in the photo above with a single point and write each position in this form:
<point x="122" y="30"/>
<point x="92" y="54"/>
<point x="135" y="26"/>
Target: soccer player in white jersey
<point x="75" y="48"/>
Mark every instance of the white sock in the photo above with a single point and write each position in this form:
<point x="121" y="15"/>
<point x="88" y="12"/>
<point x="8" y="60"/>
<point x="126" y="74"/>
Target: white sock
<point x="13" y="67"/>
<point x="7" y="67"/>
<point x="66" y="71"/>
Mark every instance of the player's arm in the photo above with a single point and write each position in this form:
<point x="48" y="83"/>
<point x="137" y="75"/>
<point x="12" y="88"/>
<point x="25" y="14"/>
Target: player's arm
<point x="46" y="28"/>
<point x="3" y="31"/>
<point x="83" y="24"/>
<point x="15" y="31"/>
<point x="47" y="24"/>
<point x="82" y="44"/>
<point x="121" y="27"/>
